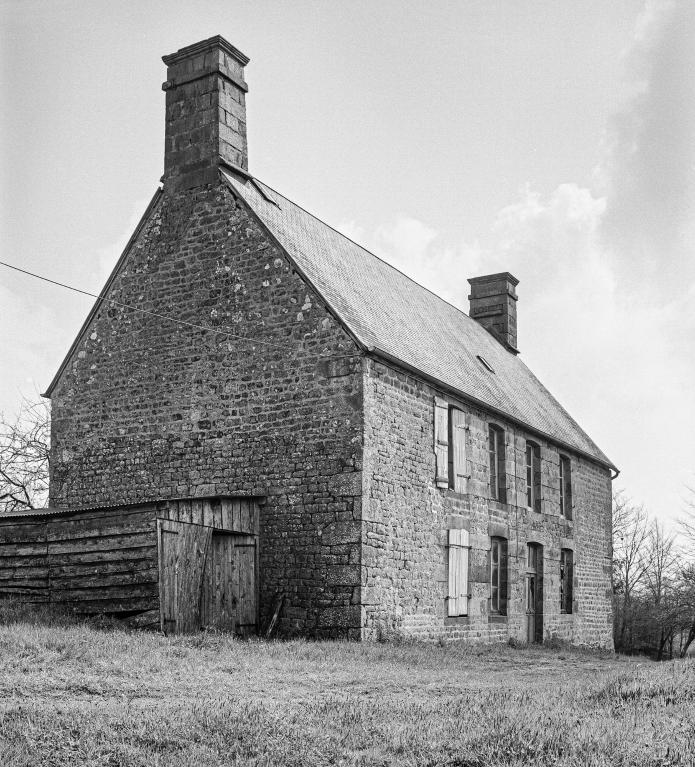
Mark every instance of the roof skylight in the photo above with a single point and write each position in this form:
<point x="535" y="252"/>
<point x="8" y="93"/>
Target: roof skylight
<point x="485" y="363"/>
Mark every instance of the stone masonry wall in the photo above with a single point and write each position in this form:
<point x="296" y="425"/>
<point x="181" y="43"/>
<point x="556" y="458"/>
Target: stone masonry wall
<point x="150" y="409"/>
<point x="406" y="518"/>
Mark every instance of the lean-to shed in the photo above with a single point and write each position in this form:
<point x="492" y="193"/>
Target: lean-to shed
<point x="182" y="564"/>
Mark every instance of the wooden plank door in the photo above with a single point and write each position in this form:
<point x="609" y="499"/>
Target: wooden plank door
<point x="534" y="593"/>
<point x="245" y="558"/>
<point x="183" y="554"/>
<point x="229" y="601"/>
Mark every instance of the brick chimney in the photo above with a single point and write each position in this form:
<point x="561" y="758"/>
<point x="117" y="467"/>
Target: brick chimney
<point x="493" y="304"/>
<point x="205" y="113"/>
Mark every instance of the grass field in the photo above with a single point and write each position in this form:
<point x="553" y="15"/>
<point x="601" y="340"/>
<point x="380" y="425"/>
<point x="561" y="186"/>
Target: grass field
<point x="75" y="695"/>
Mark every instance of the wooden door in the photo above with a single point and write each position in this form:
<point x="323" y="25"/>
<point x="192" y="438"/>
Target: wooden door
<point x="183" y="554"/>
<point x="534" y="593"/>
<point x="207" y="579"/>
<point x="229" y="601"/>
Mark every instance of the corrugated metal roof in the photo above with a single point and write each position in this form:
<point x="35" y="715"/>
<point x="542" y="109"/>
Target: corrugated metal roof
<point x="52" y="512"/>
<point x="390" y="313"/>
<point x="33" y="513"/>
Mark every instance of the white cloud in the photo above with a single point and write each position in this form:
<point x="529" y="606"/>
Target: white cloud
<point x="650" y="154"/>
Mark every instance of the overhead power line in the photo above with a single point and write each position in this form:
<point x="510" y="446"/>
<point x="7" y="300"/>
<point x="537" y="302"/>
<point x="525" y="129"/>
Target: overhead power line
<point x="102" y="297"/>
<point x="206" y="328"/>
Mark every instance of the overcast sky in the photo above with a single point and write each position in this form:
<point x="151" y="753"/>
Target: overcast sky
<point x="555" y="140"/>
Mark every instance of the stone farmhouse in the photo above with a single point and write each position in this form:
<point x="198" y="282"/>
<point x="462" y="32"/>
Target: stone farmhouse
<point x="261" y="418"/>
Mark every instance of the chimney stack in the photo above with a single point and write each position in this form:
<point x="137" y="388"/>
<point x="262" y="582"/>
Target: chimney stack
<point x="493" y="304"/>
<point x="205" y="113"/>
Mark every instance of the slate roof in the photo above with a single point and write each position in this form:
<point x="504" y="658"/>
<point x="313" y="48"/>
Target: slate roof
<point x="395" y="317"/>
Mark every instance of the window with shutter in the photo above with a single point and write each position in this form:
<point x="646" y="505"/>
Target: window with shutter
<point x="533" y="476"/>
<point x="458" y="475"/>
<point x="496" y="453"/>
<point x="498" y="576"/>
<point x="565" y="487"/>
<point x="457" y="599"/>
<point x="441" y="442"/>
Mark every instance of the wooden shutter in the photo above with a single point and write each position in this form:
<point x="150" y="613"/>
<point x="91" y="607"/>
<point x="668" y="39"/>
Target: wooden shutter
<point x="458" y="431"/>
<point x="457" y="602"/>
<point x="441" y="441"/>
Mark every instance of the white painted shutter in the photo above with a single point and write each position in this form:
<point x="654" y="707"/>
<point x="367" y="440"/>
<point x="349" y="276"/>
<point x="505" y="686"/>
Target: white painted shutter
<point x="458" y="431"/>
<point x="458" y="572"/>
<point x="441" y="441"/>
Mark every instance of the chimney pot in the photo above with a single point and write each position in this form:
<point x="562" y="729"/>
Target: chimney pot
<point x="493" y="304"/>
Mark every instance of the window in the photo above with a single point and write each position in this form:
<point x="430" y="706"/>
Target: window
<point x="450" y="446"/>
<point x="486" y="364"/>
<point x="498" y="576"/>
<point x="498" y="479"/>
<point x="566" y="576"/>
<point x="457" y="599"/>
<point x="533" y="476"/>
<point x="565" y="487"/>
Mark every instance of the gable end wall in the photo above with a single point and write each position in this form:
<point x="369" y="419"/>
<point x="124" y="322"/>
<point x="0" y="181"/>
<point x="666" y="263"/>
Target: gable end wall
<point x="148" y="409"/>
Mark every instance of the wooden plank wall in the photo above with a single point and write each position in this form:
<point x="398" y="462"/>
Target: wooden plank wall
<point x="103" y="560"/>
<point x="100" y="561"/>
<point x="236" y="515"/>
<point x="23" y="559"/>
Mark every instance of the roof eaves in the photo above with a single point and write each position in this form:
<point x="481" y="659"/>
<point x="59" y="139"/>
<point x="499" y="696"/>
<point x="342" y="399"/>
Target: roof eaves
<point x="102" y="294"/>
<point x="376" y="352"/>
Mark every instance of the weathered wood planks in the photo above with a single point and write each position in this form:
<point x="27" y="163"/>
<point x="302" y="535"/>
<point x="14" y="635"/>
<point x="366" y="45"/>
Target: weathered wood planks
<point x="111" y="561"/>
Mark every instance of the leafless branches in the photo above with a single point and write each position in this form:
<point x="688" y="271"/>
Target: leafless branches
<point x="653" y="583"/>
<point x="24" y="454"/>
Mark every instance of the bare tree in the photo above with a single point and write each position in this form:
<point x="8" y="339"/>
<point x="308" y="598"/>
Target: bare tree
<point x="662" y="597"/>
<point x="24" y="453"/>
<point x="630" y="560"/>
<point x="687" y="573"/>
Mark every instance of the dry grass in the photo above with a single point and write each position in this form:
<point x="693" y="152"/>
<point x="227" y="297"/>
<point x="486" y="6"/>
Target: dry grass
<point x="78" y="695"/>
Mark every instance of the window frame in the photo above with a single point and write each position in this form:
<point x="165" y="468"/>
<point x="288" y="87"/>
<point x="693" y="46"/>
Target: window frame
<point x="496" y="462"/>
<point x="533" y="475"/>
<point x="565" y="486"/>
<point x="499" y="578"/>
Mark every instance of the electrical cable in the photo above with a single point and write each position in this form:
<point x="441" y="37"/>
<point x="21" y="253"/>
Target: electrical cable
<point x="101" y="297"/>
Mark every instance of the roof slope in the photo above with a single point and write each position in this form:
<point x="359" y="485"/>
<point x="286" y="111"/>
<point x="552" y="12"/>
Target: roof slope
<point x="388" y="312"/>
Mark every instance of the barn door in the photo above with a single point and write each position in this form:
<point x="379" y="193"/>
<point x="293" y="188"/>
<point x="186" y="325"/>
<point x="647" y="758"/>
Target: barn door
<point x="183" y="554"/>
<point x="207" y="579"/>
<point x="229" y="602"/>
